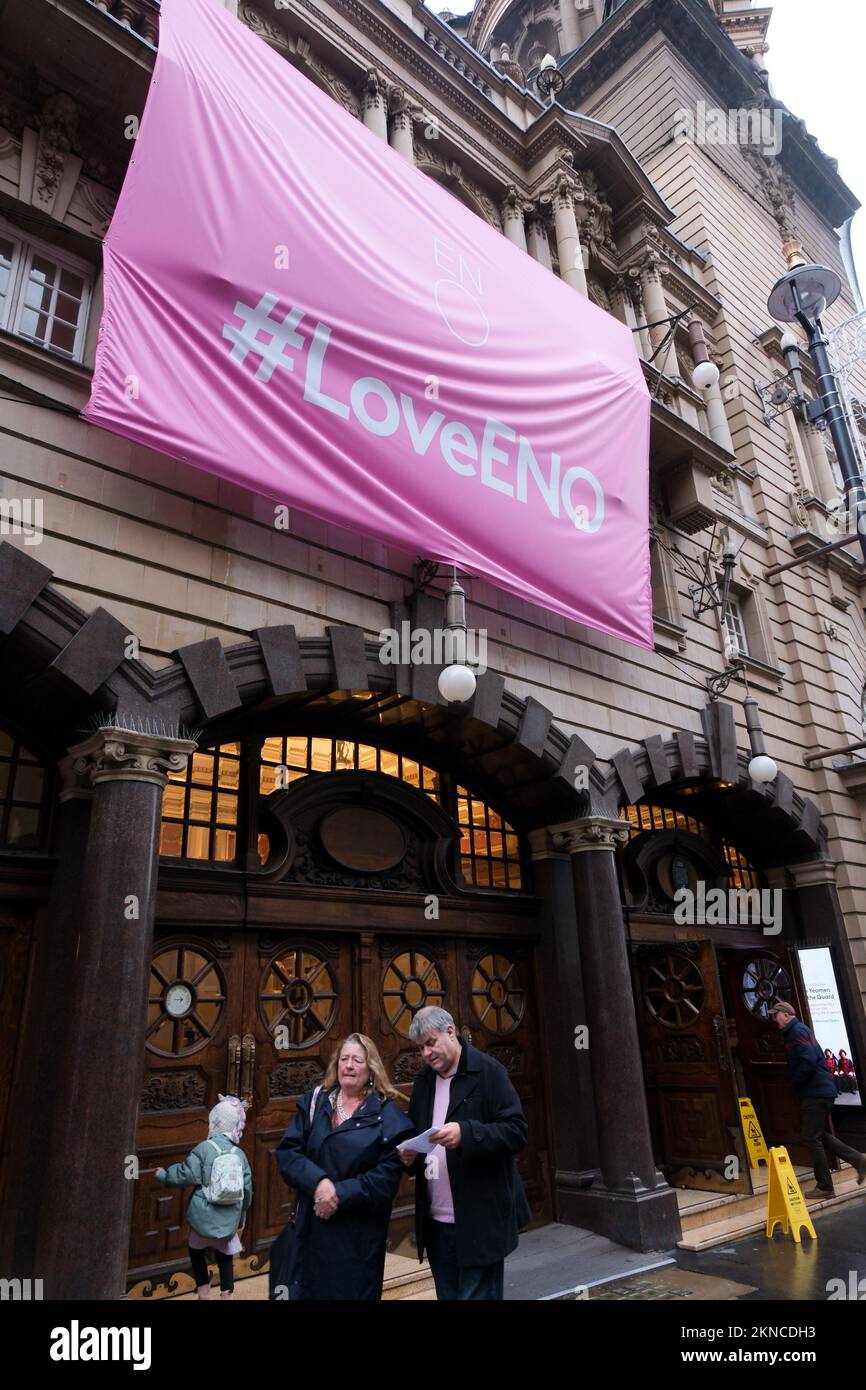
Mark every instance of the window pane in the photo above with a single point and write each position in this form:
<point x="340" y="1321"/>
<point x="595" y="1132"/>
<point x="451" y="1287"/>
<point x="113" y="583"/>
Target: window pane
<point x="229" y="773"/>
<point x="29" y="783"/>
<point x="43" y="270"/>
<point x="390" y="764"/>
<point x="5" y="745"/>
<point x="224" y="845"/>
<point x="227" y="809"/>
<point x="267" y="779"/>
<point x="171" y="839"/>
<point x="63" y="338"/>
<point x="199" y="804"/>
<point x="297" y="752"/>
<point x="272" y="750"/>
<point x="202" y="768"/>
<point x="411" y="773"/>
<point x="34" y="325"/>
<point x="197" y="845"/>
<point x="4" y="779"/>
<point x="71" y="284"/>
<point x="172" y="801"/>
<point x="321" y="755"/>
<point x="23" y="828"/>
<point x="367" y="757"/>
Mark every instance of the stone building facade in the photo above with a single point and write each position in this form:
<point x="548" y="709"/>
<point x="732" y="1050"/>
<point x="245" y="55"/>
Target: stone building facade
<point x="169" y="909"/>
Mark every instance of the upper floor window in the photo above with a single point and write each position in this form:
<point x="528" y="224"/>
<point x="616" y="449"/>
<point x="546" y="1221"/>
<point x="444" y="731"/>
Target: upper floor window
<point x="44" y="294"/>
<point x="735" y="627"/>
<point x="200" y="807"/>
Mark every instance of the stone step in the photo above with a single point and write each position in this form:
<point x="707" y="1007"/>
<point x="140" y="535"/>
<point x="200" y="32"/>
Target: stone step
<point x="405" y="1278"/>
<point x="750" y="1215"/>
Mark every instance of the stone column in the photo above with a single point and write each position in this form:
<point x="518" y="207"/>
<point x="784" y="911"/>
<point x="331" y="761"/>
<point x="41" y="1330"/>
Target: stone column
<point x="569" y="1081"/>
<point x="86" y="1213"/>
<point x="570" y="26"/>
<point x="536" y="235"/>
<point x="512" y="219"/>
<point x="401" y="137"/>
<point x="568" y="246"/>
<point x="657" y="313"/>
<point x="819" y="464"/>
<point x="631" y="1203"/>
<point x="374" y="106"/>
<point x="43" y="1031"/>
<point x="717" y="418"/>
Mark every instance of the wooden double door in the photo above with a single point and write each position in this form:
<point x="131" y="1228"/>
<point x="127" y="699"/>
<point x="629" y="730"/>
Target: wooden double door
<point x="708" y="1041"/>
<point x="259" y="1014"/>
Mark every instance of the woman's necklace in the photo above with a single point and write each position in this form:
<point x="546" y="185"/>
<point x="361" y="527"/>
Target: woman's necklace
<point x="343" y="1113"/>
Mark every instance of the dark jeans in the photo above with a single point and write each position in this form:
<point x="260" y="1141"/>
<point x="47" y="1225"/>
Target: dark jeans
<point x="814" y="1133"/>
<point x="201" y="1273"/>
<point x="455" y="1281"/>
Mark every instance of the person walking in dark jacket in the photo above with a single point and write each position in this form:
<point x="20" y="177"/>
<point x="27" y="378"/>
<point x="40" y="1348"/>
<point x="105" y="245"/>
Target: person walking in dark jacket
<point x="340" y="1153"/>
<point x="469" y="1200"/>
<point x="813" y="1081"/>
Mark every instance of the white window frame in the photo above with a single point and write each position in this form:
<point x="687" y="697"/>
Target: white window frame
<point x="26" y="247"/>
<point x="735" y="625"/>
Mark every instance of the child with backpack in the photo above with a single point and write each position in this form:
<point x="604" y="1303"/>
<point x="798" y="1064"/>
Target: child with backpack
<point x="220" y="1173"/>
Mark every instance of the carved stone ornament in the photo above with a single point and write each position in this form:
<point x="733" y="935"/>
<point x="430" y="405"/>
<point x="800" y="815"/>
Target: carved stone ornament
<point x="58" y="137"/>
<point x="122" y="755"/>
<point x="265" y="28"/>
<point x="594" y="833"/>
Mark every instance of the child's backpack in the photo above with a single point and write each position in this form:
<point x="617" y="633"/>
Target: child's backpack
<point x="226" y="1184"/>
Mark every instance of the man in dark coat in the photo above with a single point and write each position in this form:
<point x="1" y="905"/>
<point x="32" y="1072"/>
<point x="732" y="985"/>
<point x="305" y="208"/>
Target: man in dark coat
<point x="813" y="1081"/>
<point x="469" y="1207"/>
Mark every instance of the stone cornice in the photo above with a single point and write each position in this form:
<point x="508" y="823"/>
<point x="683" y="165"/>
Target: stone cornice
<point x="811" y="872"/>
<point x="696" y="35"/>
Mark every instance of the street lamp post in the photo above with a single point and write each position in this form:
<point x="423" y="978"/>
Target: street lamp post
<point x="802" y="296"/>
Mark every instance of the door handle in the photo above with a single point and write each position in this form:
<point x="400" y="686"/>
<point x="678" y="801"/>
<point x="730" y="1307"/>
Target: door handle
<point x="248" y="1065"/>
<point x="233" y="1066"/>
<point x="720" y="1031"/>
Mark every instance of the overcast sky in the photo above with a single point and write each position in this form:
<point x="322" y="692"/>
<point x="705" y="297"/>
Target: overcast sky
<point x="816" y="63"/>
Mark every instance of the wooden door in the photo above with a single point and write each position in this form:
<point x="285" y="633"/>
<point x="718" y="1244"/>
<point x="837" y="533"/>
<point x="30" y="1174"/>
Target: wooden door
<point x="192" y="1053"/>
<point x="688" y="1067"/>
<point x="498" y="1015"/>
<point x="255" y="1014"/>
<point x="757" y="975"/>
<point x="16" y="925"/>
<point x="298" y="1004"/>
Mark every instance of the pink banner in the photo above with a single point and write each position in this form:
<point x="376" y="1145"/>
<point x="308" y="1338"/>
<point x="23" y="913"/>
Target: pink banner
<point x="291" y="305"/>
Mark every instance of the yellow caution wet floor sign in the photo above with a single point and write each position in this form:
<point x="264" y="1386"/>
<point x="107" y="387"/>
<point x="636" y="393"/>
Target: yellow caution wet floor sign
<point x="756" y="1148"/>
<point x="786" y="1205"/>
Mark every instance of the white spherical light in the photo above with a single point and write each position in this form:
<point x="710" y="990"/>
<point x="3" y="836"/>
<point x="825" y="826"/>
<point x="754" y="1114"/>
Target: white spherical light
<point x="456" y="684"/>
<point x="763" y="769"/>
<point x="788" y="341"/>
<point x="705" y="376"/>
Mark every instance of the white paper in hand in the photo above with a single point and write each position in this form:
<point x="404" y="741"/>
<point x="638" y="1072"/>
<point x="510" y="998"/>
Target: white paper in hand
<point x="421" y="1144"/>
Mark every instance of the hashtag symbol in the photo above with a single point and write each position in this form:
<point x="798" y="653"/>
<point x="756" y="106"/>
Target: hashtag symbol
<point x="281" y="335"/>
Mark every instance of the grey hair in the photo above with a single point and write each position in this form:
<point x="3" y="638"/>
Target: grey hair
<point x="430" y="1020"/>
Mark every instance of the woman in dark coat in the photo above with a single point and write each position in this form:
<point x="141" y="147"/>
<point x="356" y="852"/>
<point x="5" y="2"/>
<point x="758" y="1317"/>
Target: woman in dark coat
<point x="345" y="1166"/>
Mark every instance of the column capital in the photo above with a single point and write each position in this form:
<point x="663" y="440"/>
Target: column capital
<point x="76" y="785"/>
<point x="813" y="871"/>
<point x="542" y="845"/>
<point x="125" y="755"/>
<point x="590" y="833"/>
<point x="375" y="88"/>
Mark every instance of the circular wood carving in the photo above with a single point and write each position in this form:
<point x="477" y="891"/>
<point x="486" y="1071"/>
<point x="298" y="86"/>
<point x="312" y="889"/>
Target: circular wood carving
<point x="362" y="839"/>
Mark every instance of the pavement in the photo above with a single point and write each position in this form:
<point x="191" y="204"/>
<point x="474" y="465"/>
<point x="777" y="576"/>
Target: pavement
<point x="564" y="1263"/>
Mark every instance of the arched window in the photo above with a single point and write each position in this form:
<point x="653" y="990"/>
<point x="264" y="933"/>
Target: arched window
<point x="642" y="818"/>
<point x="23" y="797"/>
<point x="201" y="806"/>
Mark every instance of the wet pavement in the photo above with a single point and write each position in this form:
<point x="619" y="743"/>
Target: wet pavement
<point x="781" y="1269"/>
